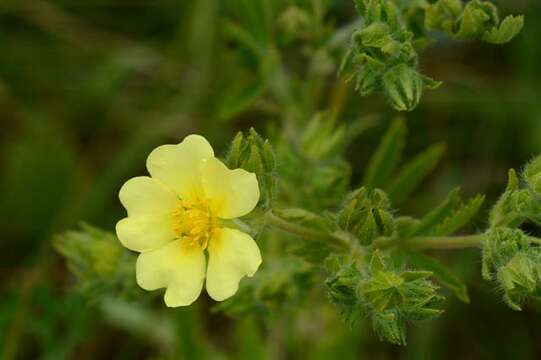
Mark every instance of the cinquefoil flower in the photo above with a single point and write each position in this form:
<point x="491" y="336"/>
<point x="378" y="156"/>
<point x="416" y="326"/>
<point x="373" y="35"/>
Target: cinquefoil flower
<point x="179" y="212"/>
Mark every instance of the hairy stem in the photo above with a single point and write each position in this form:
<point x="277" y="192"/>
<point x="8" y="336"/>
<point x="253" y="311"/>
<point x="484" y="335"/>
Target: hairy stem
<point x="432" y="242"/>
<point x="304" y="232"/>
<point x="417" y="242"/>
<point x="440" y="242"/>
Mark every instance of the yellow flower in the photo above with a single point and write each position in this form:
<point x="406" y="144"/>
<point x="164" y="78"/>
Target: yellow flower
<point x="178" y="212"/>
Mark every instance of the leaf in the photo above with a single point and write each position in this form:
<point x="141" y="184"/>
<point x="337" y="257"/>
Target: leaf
<point x="460" y="217"/>
<point x="433" y="218"/>
<point x="442" y="273"/>
<point x="414" y="172"/>
<point x="387" y="155"/>
<point x="507" y="30"/>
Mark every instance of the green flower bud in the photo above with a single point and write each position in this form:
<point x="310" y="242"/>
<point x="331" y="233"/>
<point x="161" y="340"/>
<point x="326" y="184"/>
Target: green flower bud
<point x="501" y="244"/>
<point x="366" y="214"/>
<point x="512" y="263"/>
<point x="403" y="86"/>
<point x="341" y="284"/>
<point x="252" y="153"/>
<point x="366" y="80"/>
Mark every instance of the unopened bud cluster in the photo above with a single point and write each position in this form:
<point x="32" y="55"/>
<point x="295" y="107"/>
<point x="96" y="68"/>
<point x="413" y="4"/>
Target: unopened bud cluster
<point x="383" y="53"/>
<point x="509" y="260"/>
<point x="382" y="56"/>
<point x="390" y="297"/>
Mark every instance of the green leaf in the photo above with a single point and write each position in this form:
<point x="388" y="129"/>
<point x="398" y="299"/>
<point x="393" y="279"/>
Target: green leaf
<point x="387" y="155"/>
<point x="433" y="218"/>
<point x="444" y="276"/>
<point x="507" y="30"/>
<point x="460" y="217"/>
<point x="414" y="172"/>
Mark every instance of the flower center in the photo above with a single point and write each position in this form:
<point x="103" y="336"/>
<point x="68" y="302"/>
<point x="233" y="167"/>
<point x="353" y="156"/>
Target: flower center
<point x="193" y="221"/>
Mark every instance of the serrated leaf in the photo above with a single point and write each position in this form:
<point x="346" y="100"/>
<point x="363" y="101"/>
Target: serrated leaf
<point x="387" y="155"/>
<point x="460" y="217"/>
<point x="508" y="29"/>
<point x="433" y="218"/>
<point x="414" y="172"/>
<point x="444" y="276"/>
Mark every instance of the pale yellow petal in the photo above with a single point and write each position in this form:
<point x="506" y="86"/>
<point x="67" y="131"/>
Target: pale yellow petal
<point x="233" y="193"/>
<point x="143" y="196"/>
<point x="232" y="255"/>
<point x="178" y="267"/>
<point x="145" y="232"/>
<point x="177" y="166"/>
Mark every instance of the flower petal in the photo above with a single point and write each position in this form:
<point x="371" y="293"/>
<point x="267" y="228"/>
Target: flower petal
<point x="177" y="266"/>
<point x="234" y="193"/>
<point x="177" y="166"/>
<point x="143" y="196"/>
<point x="232" y="255"/>
<point x="144" y="233"/>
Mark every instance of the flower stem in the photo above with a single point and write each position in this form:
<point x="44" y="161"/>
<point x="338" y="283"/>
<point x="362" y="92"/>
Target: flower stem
<point x="432" y="242"/>
<point x="304" y="232"/>
<point x="440" y="242"/>
<point x="417" y="242"/>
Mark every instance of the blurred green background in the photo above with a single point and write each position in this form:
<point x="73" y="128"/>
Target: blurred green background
<point x="89" y="87"/>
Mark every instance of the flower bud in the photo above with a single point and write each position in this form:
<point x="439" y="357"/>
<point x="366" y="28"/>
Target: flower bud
<point x="403" y="86"/>
<point x="518" y="278"/>
<point x="254" y="154"/>
<point x="512" y="263"/>
<point x="366" y="214"/>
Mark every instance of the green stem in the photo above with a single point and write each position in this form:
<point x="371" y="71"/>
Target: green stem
<point x="534" y="240"/>
<point x="417" y="242"/>
<point x="440" y="242"/>
<point x="432" y="242"/>
<point x="299" y="230"/>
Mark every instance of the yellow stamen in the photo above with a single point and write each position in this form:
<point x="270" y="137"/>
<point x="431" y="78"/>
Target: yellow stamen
<point x="194" y="221"/>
